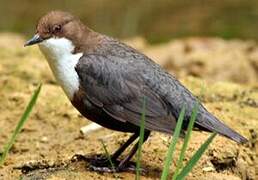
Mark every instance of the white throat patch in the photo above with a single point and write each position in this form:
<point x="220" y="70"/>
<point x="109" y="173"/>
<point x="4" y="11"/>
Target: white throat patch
<point x="58" y="52"/>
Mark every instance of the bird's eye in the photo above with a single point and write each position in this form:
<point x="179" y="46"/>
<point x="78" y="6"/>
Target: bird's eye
<point x="56" y="28"/>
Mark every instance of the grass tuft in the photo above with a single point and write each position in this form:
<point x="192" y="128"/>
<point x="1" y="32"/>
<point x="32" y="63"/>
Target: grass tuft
<point x="20" y="124"/>
<point x="178" y="175"/>
<point x="192" y="162"/>
<point x="186" y="141"/>
<point x="172" y="145"/>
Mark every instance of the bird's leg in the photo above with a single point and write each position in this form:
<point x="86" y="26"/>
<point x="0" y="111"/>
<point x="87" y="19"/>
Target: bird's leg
<point x="122" y="148"/>
<point x="123" y="164"/>
<point x="104" y="162"/>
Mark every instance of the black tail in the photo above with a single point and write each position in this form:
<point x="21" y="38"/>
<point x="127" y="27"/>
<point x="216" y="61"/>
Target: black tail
<point x="210" y="123"/>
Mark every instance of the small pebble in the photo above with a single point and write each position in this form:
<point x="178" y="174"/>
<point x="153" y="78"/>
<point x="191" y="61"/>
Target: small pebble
<point x="44" y="139"/>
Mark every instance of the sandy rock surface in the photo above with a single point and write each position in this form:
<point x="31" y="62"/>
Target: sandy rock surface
<point x="210" y="59"/>
<point x="50" y="145"/>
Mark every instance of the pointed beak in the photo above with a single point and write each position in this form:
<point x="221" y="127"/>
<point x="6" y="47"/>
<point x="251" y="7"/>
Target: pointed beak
<point x="36" y="39"/>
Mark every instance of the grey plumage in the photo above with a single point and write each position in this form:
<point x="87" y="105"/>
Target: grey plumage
<point x="116" y="77"/>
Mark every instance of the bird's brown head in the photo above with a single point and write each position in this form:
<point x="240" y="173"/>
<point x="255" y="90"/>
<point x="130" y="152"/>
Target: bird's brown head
<point x="58" y="24"/>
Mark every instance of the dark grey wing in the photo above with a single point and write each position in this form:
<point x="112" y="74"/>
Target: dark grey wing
<point x="119" y="88"/>
<point x="118" y="82"/>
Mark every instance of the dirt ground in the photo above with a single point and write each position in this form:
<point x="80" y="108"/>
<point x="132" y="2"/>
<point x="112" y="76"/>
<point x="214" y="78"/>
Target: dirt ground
<point x="50" y="145"/>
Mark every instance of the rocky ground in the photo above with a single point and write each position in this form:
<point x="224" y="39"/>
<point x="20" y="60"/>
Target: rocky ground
<point x="224" y="74"/>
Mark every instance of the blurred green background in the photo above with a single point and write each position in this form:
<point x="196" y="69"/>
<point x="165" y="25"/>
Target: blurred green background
<point x="156" y="20"/>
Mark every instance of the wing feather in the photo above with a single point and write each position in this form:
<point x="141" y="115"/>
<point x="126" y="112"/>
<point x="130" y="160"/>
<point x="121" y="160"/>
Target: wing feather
<point x="119" y="90"/>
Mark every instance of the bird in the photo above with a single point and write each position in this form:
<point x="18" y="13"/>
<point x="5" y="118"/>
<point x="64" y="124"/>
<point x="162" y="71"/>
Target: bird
<point x="107" y="81"/>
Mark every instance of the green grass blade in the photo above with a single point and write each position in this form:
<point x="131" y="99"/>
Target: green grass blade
<point x="195" y="158"/>
<point x="186" y="141"/>
<point x="172" y="145"/>
<point x="107" y="154"/>
<point x="142" y="125"/>
<point x="20" y="124"/>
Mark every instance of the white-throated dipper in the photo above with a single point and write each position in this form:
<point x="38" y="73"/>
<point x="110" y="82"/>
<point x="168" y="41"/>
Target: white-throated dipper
<point x="106" y="81"/>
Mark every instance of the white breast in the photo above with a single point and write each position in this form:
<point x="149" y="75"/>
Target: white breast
<point x="62" y="62"/>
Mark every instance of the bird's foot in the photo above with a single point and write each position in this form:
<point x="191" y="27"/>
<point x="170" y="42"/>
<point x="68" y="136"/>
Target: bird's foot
<point x="102" y="164"/>
<point x="102" y="161"/>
